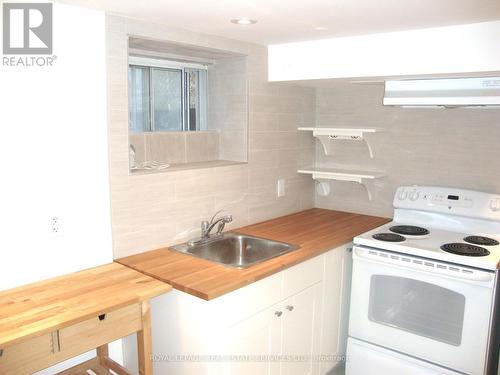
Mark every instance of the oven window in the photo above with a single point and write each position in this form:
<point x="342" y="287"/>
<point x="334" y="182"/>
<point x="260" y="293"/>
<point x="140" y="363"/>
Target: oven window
<point x="418" y="307"/>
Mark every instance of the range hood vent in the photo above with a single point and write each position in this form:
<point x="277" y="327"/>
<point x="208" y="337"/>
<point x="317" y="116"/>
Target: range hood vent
<point x="444" y="92"/>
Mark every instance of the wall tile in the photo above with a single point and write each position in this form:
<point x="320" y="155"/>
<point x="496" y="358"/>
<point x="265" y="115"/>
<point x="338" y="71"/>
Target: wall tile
<point x="167" y="147"/>
<point x="202" y="146"/>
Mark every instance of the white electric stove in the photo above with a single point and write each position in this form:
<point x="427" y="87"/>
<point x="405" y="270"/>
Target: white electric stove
<point x="424" y="287"/>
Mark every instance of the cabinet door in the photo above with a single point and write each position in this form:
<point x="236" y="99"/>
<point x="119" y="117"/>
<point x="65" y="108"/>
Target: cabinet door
<point x="300" y="333"/>
<point x="254" y="342"/>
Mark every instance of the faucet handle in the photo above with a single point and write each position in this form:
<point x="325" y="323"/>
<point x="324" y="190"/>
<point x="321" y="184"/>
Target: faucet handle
<point x="222" y="223"/>
<point x="213" y="217"/>
<point x="204" y="227"/>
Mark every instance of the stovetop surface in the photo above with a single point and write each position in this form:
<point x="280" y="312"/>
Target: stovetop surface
<point x="429" y="245"/>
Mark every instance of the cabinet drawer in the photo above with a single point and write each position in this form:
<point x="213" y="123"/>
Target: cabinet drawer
<point x="302" y="275"/>
<point x="43" y="351"/>
<point x="100" y="330"/>
<point x="28" y="356"/>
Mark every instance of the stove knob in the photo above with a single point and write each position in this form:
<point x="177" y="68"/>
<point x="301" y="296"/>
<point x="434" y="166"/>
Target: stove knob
<point x="402" y="195"/>
<point x="414" y="195"/>
<point x="495" y="204"/>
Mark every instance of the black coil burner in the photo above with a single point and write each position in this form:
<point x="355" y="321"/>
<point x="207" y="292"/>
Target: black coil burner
<point x="480" y="240"/>
<point x="409" y="230"/>
<point x="388" y="237"/>
<point x="465" y="249"/>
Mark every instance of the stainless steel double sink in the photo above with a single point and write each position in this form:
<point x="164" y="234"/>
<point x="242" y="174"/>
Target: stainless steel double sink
<point x="236" y="250"/>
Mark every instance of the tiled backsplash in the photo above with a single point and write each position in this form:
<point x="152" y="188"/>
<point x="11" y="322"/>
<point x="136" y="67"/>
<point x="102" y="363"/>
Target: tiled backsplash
<point x="422" y="146"/>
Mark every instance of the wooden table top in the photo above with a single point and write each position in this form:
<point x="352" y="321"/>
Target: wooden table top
<point x="315" y="231"/>
<point x="49" y="305"/>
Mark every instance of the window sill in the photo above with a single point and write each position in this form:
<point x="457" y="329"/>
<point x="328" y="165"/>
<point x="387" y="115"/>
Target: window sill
<point x="186" y="166"/>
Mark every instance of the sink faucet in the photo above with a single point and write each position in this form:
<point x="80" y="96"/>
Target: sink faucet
<point x="207" y="226"/>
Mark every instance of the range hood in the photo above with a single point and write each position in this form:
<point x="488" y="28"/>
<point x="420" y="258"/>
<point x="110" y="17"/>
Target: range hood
<point x="444" y="92"/>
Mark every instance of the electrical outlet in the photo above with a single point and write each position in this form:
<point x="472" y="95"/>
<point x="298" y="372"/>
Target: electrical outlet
<point x="55" y="224"/>
<point x="280" y="188"/>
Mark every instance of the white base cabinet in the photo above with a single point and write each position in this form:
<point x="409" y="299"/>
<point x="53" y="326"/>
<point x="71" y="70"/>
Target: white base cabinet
<point x="335" y="310"/>
<point x="290" y="323"/>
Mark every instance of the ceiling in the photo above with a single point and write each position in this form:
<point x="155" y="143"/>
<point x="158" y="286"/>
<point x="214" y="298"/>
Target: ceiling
<point x="281" y="21"/>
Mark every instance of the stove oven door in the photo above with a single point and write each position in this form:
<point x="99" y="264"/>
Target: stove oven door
<point x="430" y="310"/>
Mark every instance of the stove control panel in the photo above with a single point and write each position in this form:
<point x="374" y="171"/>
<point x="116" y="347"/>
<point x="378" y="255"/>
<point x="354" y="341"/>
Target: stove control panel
<point x="495" y="204"/>
<point x="449" y="200"/>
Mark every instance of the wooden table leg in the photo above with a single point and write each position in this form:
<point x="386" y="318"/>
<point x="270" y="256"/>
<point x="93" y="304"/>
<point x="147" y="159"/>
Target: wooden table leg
<point x="144" y="342"/>
<point x="108" y="363"/>
<point x="102" y="354"/>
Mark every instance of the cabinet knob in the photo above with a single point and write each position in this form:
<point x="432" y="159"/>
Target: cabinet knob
<point x="290" y="308"/>
<point x="278" y="313"/>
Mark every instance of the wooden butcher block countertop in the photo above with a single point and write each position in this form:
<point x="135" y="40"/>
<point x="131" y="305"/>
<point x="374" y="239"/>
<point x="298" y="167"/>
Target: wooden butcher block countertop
<point x="315" y="231"/>
<point x="53" y="304"/>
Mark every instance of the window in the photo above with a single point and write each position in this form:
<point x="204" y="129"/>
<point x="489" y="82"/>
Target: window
<point x="166" y="96"/>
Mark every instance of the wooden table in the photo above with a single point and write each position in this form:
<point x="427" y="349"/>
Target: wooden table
<point x="44" y="323"/>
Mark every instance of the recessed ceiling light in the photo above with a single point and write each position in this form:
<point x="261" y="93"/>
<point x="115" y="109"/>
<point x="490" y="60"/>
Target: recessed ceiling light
<point x="320" y="28"/>
<point x="243" y="21"/>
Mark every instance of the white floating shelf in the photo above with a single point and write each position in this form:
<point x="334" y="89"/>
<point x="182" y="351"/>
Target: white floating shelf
<point x="341" y="174"/>
<point x="361" y="177"/>
<point x="326" y="135"/>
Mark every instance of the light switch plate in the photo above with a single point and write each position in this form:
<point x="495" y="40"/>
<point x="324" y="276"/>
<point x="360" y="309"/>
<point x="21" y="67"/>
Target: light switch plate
<point x="280" y="188"/>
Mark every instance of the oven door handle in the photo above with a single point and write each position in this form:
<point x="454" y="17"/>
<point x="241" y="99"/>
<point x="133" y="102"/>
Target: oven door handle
<point x="423" y="265"/>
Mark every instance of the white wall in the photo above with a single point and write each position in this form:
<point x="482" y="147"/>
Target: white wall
<point x="453" y="49"/>
<point x="54" y="156"/>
